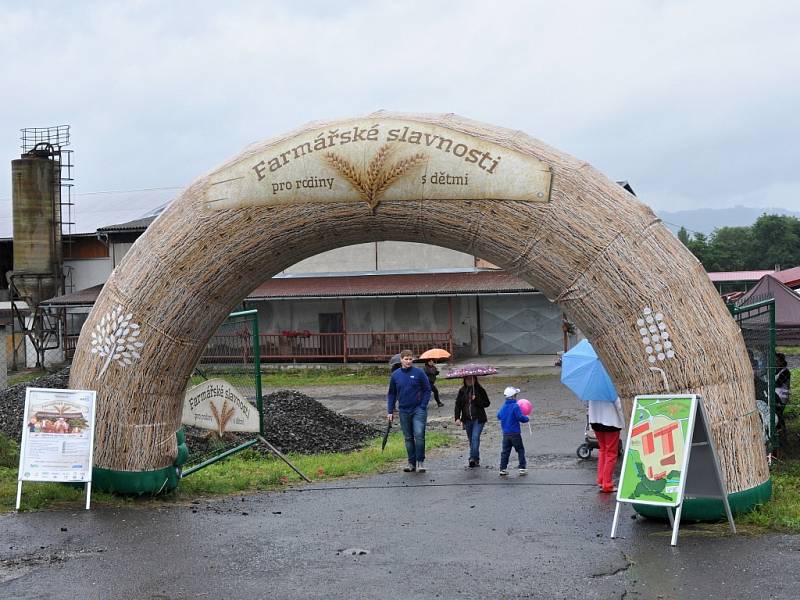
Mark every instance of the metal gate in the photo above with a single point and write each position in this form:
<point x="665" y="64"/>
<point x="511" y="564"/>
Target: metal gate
<point x="231" y="354"/>
<point x="757" y="322"/>
<point x="519" y="324"/>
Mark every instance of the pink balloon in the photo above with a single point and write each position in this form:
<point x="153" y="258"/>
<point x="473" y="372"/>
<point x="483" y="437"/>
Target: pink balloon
<point x="525" y="406"/>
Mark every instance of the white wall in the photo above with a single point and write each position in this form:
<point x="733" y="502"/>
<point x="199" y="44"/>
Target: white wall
<point x="383" y="256"/>
<point x="84" y="273"/>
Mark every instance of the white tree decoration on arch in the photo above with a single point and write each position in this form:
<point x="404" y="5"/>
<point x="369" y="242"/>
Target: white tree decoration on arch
<point x="115" y="338"/>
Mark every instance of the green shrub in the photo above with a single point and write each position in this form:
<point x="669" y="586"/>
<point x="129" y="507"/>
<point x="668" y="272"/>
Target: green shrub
<point x="9" y="452"/>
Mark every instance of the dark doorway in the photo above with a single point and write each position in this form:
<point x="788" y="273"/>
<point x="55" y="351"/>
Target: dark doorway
<point x="331" y="330"/>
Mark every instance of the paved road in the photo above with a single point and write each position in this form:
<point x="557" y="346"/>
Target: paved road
<point x="450" y="533"/>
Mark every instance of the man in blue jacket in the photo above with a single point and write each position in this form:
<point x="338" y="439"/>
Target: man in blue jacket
<point x="410" y="389"/>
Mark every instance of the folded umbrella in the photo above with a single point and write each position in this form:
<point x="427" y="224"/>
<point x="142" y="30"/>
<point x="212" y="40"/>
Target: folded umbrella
<point x="584" y="373"/>
<point x="386" y="435"/>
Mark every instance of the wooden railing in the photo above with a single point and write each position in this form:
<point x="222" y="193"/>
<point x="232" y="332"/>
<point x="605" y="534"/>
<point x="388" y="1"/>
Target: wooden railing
<point x="297" y="346"/>
<point x="349" y="346"/>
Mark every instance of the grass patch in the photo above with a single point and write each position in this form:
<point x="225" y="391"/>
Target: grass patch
<point x="25" y="376"/>
<point x="249" y="471"/>
<point x="299" y="378"/>
<point x="788" y="351"/>
<point x="245" y="472"/>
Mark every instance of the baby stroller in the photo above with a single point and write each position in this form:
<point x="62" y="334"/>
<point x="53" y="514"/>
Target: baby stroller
<point x="584" y="451"/>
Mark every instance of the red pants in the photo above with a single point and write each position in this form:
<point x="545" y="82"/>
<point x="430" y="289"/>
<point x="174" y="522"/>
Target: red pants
<point x="607" y="460"/>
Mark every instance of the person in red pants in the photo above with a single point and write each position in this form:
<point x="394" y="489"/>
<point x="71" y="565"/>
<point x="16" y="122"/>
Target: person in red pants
<point x="607" y="420"/>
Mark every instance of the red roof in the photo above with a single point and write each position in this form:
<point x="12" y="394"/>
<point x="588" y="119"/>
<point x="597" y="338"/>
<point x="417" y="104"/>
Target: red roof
<point x="417" y="284"/>
<point x="788" y="277"/>
<point x="738" y="275"/>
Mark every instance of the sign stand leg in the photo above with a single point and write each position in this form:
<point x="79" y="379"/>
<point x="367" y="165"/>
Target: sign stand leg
<point x="728" y="511"/>
<point x="670" y="516"/>
<point x="88" y="493"/>
<point x="19" y="494"/>
<point x="616" y="520"/>
<point x="676" y="526"/>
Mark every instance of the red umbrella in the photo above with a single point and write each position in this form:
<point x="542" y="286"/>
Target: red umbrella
<point x="470" y="369"/>
<point x="435" y="354"/>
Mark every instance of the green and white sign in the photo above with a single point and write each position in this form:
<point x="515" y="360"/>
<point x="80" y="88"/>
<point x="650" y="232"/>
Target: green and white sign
<point x="669" y="456"/>
<point x="656" y="455"/>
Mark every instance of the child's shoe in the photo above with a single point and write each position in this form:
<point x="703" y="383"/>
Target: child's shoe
<point x="421" y="467"/>
<point x="503" y="472"/>
<point x="523" y="472"/>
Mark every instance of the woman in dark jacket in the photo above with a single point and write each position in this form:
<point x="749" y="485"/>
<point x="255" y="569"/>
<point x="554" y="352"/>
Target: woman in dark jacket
<point x="470" y="411"/>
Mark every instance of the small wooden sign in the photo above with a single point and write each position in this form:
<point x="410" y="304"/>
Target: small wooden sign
<point x="217" y="405"/>
<point x="669" y="456"/>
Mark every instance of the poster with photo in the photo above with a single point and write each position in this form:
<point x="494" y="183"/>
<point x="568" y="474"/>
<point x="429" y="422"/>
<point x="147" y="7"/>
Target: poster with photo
<point x="57" y="435"/>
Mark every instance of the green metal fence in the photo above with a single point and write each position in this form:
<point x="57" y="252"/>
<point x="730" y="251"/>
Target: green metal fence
<point x="231" y="354"/>
<point x="757" y="322"/>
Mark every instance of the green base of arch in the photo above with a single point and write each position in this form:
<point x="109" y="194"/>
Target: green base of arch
<point x="709" y="509"/>
<point x="136" y="482"/>
<point x="143" y="482"/>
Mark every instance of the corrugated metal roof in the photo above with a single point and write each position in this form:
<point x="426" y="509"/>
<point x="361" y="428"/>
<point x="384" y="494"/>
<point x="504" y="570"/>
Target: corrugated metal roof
<point x="423" y="284"/>
<point x="135" y="225"/>
<point x="788" y="277"/>
<point x="738" y="275"/>
<point x="359" y="286"/>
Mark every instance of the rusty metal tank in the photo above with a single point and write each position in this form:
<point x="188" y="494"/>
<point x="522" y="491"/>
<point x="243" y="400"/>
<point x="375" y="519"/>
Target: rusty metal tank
<point x="37" y="227"/>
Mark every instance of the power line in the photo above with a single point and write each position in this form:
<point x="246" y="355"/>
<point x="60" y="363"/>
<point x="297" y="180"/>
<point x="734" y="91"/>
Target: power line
<point x="153" y="189"/>
<point x="684" y="227"/>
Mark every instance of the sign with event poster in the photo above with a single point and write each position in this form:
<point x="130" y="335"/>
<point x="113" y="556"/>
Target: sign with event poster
<point x="656" y="456"/>
<point x="57" y="436"/>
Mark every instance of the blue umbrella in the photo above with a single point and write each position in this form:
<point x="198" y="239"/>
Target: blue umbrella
<point x="585" y="375"/>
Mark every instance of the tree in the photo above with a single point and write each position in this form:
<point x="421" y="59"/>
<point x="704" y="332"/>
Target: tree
<point x="776" y="241"/>
<point x="729" y="249"/>
<point x="771" y="241"/>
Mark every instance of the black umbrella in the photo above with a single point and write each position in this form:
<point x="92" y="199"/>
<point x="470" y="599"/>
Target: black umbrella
<point x="386" y="435"/>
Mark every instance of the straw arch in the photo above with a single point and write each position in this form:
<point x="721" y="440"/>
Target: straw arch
<point x="550" y="219"/>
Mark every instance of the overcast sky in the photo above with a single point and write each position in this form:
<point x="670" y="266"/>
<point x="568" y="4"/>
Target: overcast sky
<point x="695" y="103"/>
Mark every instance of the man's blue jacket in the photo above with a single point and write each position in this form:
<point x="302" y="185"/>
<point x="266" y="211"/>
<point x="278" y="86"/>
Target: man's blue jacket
<point x="409" y="388"/>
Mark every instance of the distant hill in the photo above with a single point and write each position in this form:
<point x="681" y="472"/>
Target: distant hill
<point x="706" y="220"/>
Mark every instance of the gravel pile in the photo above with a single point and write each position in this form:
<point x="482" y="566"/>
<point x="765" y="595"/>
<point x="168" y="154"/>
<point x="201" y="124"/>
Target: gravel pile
<point x="12" y="401"/>
<point x="294" y="422"/>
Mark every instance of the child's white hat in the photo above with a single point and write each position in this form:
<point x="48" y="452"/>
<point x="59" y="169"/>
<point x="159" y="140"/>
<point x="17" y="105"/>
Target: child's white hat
<point x="510" y="392"/>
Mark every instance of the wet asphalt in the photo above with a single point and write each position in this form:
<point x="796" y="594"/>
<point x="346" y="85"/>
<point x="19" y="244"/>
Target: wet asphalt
<point x="452" y="532"/>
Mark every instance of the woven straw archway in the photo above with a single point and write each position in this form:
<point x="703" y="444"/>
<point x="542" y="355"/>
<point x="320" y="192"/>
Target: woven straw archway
<point x="580" y="238"/>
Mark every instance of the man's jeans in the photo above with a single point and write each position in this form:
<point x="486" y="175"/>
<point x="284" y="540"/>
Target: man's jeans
<point x="474" y="429"/>
<point x="515" y="440"/>
<point x="413" y="426"/>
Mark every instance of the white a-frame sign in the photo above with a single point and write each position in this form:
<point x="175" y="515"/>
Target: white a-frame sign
<point x="669" y="457"/>
<point x="57" y="438"/>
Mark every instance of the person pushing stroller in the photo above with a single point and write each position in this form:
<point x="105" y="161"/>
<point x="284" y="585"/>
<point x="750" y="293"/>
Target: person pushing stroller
<point x="510" y="416"/>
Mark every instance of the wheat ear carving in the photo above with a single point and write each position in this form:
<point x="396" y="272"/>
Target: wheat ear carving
<point x="222" y="419"/>
<point x="379" y="176"/>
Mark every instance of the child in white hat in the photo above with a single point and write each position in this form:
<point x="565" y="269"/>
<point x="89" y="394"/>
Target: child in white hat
<point x="511" y="416"/>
